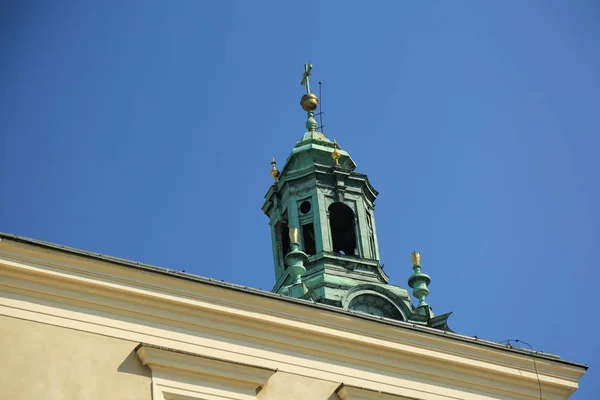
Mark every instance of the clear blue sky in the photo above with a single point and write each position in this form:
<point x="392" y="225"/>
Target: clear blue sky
<point x="144" y="130"/>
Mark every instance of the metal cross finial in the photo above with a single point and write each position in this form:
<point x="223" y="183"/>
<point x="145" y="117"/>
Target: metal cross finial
<point x="305" y="77"/>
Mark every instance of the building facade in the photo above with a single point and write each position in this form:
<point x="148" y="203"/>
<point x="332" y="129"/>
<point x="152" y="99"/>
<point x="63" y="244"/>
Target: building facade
<point x="81" y="326"/>
<point x="78" y="325"/>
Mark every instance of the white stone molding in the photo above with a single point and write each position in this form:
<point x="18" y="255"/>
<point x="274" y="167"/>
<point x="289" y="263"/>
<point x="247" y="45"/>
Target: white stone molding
<point x="177" y="375"/>
<point x="264" y="331"/>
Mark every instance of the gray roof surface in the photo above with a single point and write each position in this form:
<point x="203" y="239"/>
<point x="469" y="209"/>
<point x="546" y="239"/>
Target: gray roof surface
<point x="280" y="297"/>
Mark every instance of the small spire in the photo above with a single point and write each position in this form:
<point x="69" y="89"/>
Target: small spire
<point x="274" y="171"/>
<point x="296" y="259"/>
<point x="418" y="281"/>
<point x="309" y="102"/>
<point x="415" y="257"/>
<point x="336" y="152"/>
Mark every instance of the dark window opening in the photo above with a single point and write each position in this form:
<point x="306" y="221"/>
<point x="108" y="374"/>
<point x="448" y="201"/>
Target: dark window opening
<point x="305" y="207"/>
<point x="341" y="220"/>
<point x="308" y="237"/>
<point x="285" y="239"/>
<point x="283" y="236"/>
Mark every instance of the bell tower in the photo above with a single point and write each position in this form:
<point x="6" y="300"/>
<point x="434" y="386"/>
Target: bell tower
<point x="319" y="193"/>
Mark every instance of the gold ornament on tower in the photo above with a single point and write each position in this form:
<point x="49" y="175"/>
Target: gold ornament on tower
<point x="274" y="171"/>
<point x="294" y="235"/>
<point x="309" y="102"/>
<point x="336" y="152"/>
<point x="415" y="258"/>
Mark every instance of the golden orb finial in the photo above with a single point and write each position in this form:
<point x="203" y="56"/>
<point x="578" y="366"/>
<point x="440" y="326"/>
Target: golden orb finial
<point x="336" y="152"/>
<point x="415" y="258"/>
<point x="309" y="102"/>
<point x="274" y="171"/>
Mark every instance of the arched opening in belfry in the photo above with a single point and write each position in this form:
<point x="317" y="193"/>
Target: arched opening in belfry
<point x="282" y="231"/>
<point x="343" y="235"/>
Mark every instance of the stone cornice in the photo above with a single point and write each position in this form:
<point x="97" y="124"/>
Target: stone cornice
<point x="351" y="393"/>
<point x="212" y="320"/>
<point x="172" y="360"/>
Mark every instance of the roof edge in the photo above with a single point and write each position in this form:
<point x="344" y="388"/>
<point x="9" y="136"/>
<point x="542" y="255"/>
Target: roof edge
<point x="231" y="286"/>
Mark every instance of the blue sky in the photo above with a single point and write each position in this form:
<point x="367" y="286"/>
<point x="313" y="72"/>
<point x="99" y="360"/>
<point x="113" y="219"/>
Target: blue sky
<point x="144" y="130"/>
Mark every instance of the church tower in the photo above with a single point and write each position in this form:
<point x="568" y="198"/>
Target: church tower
<point x="323" y="231"/>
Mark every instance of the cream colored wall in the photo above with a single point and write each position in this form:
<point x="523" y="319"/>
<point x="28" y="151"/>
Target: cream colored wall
<point x="294" y="387"/>
<point x="46" y="362"/>
<point x="187" y="326"/>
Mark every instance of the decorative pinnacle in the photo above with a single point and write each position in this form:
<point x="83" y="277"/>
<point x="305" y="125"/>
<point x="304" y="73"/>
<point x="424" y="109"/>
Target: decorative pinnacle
<point x="293" y="235"/>
<point x="309" y="102"/>
<point x="415" y="258"/>
<point x="418" y="281"/>
<point x="296" y="259"/>
<point x="336" y="152"/>
<point x="274" y="171"/>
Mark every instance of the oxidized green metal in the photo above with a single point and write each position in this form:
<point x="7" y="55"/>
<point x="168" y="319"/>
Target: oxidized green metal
<point x="418" y="281"/>
<point x="332" y="205"/>
<point x="311" y="122"/>
<point x="296" y="259"/>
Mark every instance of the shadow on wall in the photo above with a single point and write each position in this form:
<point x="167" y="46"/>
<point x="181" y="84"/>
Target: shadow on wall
<point x="133" y="365"/>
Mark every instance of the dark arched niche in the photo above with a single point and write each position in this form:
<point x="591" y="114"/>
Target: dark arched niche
<point x="343" y="236"/>
<point x="374" y="304"/>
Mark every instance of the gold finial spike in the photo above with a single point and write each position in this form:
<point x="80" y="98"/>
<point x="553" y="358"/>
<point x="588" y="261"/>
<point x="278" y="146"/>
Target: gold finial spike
<point x="294" y="235"/>
<point x="336" y="152"/>
<point x="415" y="258"/>
<point x="274" y="171"/>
